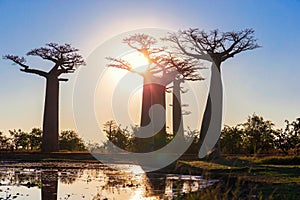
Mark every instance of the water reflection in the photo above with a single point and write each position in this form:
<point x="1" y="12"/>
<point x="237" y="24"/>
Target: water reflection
<point x="91" y="181"/>
<point x="49" y="184"/>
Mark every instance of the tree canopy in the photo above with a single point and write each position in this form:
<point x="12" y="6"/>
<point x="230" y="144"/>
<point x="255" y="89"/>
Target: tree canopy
<point x="215" y="45"/>
<point x="65" y="58"/>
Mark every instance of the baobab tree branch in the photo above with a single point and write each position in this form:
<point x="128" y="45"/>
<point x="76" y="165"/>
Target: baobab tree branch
<point x="187" y="68"/>
<point x="122" y="64"/>
<point x="63" y="70"/>
<point x="218" y="45"/>
<point x="35" y="71"/>
<point x="16" y="59"/>
<point x="175" y="39"/>
<point x="44" y="53"/>
<point x="140" y="41"/>
<point x="181" y="39"/>
<point x="242" y="41"/>
<point x="21" y="62"/>
<point x="61" y="55"/>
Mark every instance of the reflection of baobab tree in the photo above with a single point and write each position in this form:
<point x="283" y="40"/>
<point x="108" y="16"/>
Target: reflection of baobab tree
<point x="216" y="47"/>
<point x="49" y="179"/>
<point x="66" y="60"/>
<point x="157" y="183"/>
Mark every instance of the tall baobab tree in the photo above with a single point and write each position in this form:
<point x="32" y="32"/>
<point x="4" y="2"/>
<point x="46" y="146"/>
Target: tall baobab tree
<point x="163" y="68"/>
<point x="155" y="79"/>
<point x="187" y="71"/>
<point x="216" y="47"/>
<point x="66" y="60"/>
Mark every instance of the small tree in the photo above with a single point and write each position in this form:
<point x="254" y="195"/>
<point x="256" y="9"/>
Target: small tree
<point x="35" y="139"/>
<point x="20" y="139"/>
<point x="117" y="135"/>
<point x="231" y="140"/>
<point x="69" y="140"/>
<point x="289" y="138"/>
<point x="258" y="134"/>
<point x="66" y="60"/>
<point x="4" y="142"/>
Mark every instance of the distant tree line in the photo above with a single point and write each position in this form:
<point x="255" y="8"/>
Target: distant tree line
<point x="255" y="136"/>
<point x="259" y="136"/>
<point x="19" y="140"/>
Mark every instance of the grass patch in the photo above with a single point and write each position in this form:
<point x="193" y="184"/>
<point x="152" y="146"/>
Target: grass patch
<point x="247" y="177"/>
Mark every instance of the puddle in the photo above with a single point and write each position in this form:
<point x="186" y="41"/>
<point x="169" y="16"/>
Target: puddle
<point x="72" y="181"/>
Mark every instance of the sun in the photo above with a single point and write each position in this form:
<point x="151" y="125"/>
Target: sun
<point x="137" y="60"/>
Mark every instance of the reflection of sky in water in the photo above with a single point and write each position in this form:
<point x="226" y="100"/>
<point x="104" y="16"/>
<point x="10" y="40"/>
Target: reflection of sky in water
<point x="96" y="182"/>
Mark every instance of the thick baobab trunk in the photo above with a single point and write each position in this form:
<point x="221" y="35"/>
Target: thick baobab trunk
<point x="153" y="95"/>
<point x="177" y="110"/>
<point x="206" y="120"/>
<point x="153" y="115"/>
<point x="50" y="123"/>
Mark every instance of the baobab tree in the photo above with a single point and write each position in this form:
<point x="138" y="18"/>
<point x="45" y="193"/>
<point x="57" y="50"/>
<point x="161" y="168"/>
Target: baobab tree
<point x="66" y="60"/>
<point x="216" y="47"/>
<point x="163" y="68"/>
<point x="155" y="79"/>
<point x="188" y="70"/>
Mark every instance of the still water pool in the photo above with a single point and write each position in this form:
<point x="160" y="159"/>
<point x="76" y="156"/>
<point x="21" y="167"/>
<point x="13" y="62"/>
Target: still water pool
<point x="75" y="180"/>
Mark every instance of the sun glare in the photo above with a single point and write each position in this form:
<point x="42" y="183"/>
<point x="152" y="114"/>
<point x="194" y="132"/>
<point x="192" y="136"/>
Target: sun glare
<point x="137" y="60"/>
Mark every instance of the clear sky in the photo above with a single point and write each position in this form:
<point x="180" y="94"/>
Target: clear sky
<point x="264" y="81"/>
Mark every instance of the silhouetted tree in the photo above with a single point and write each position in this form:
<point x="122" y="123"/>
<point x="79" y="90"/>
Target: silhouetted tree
<point x="258" y="134"/>
<point x="163" y="68"/>
<point x="117" y="135"/>
<point x="156" y="77"/>
<point x="192" y="134"/>
<point x="20" y="139"/>
<point x="4" y="142"/>
<point x="187" y="71"/>
<point x="289" y="138"/>
<point x="214" y="46"/>
<point x="231" y="140"/>
<point x="66" y="60"/>
<point x="35" y="139"/>
<point x="69" y="140"/>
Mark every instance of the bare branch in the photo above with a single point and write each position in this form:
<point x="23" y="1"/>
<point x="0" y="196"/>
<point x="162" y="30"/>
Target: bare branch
<point x="35" y="71"/>
<point x="187" y="68"/>
<point x="25" y="68"/>
<point x="121" y="64"/>
<point x="64" y="56"/>
<point x="63" y="79"/>
<point x="218" y="45"/>
<point x="16" y="59"/>
<point x="162" y="64"/>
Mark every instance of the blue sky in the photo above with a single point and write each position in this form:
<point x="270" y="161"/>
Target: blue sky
<point x="264" y="81"/>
